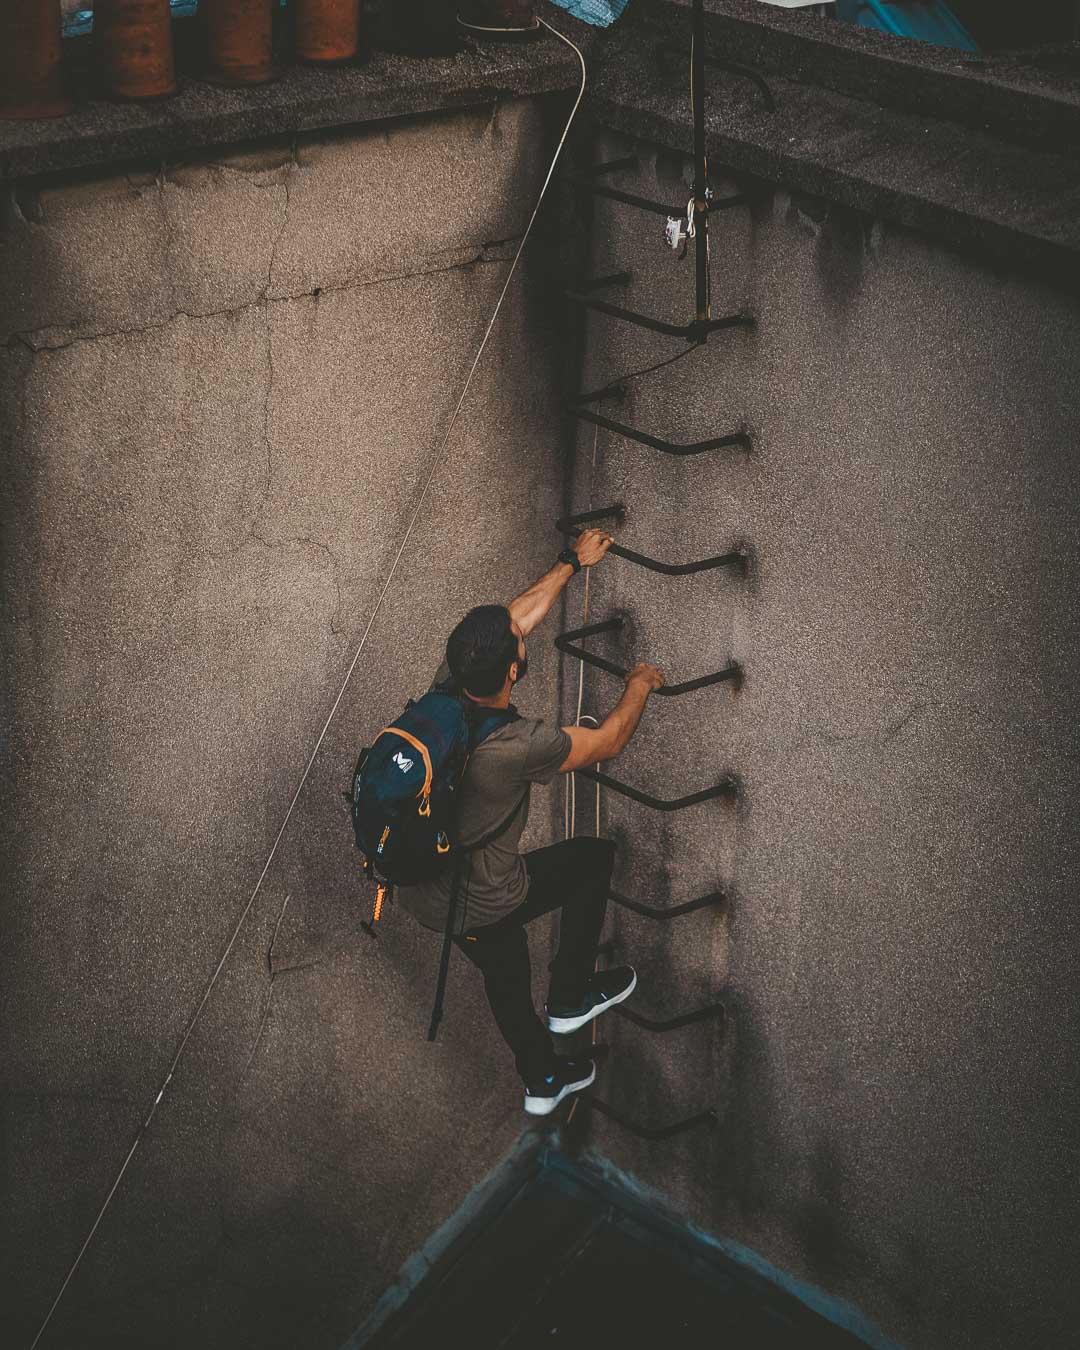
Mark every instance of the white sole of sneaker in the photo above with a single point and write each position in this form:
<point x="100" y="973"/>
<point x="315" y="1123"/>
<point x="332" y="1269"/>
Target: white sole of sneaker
<point x="543" y="1106"/>
<point x="562" y="1026"/>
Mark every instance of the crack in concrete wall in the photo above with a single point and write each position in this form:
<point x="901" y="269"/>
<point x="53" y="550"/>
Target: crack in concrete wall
<point x="49" y="339"/>
<point x="217" y="420"/>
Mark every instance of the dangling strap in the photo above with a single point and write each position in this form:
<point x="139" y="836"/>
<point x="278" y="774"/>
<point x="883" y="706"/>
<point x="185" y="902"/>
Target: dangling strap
<point x="444" y="962"/>
<point x="384" y="893"/>
<point x="455" y="885"/>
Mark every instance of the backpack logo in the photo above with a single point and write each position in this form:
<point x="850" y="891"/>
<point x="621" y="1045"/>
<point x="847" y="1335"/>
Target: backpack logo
<point x="403" y="764"/>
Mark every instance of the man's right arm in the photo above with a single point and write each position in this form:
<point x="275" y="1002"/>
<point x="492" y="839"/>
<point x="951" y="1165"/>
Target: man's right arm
<point x="592" y="745"/>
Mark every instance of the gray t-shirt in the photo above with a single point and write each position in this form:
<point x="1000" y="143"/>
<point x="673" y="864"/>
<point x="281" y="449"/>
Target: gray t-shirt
<point x="502" y="768"/>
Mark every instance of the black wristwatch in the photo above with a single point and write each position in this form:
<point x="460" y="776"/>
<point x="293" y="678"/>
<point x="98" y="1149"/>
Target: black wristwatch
<point x="569" y="556"/>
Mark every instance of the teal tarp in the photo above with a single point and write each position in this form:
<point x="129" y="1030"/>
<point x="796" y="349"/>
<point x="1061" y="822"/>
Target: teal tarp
<point x="927" y="20"/>
<point x="600" y="13"/>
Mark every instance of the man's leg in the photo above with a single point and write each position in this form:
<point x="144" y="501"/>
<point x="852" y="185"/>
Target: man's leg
<point x="502" y="955"/>
<point x="574" y="877"/>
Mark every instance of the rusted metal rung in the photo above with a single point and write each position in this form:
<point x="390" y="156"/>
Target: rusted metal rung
<point x="609" y="279"/>
<point x="649" y="203"/>
<point x="695" y="331"/>
<point x="662" y="913"/>
<point x="732" y="672"/>
<point x="572" y="525"/>
<point x="653" y="1134"/>
<point x="727" y="787"/>
<point x="664" y="49"/>
<point x="615" y="392"/>
<point x="710" y="1010"/>
<point x="735" y="438"/>
<point x="612" y="166"/>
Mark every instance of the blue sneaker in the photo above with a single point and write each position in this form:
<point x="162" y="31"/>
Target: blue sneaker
<point x="571" y="1075"/>
<point x="605" y="989"/>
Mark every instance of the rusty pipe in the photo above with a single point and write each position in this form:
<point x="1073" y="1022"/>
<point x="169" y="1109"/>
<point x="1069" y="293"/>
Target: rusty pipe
<point x="327" y="31"/>
<point x="32" y="60"/>
<point x="239" y="41"/>
<point x="134" y="48"/>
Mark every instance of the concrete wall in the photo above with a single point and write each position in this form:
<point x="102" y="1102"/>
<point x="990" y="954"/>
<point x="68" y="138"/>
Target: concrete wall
<point x="222" y="388"/>
<point x="897" y="1079"/>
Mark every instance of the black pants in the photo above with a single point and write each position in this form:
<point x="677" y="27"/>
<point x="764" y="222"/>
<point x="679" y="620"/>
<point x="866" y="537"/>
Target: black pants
<point x="573" y="876"/>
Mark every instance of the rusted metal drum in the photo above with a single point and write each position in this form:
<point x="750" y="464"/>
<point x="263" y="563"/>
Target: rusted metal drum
<point x="134" y="48"/>
<point x="31" y="60"/>
<point x="239" y="40"/>
<point x="327" y="30"/>
<point x="498" y="18"/>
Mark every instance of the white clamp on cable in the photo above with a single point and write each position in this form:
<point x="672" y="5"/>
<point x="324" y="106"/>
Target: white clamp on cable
<point x="679" y="230"/>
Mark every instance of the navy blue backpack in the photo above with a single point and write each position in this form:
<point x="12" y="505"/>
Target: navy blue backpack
<point x="404" y="801"/>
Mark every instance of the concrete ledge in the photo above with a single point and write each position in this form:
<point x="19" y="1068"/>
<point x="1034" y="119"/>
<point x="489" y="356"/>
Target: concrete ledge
<point x="982" y="192"/>
<point x="1031" y="97"/>
<point x="100" y="133"/>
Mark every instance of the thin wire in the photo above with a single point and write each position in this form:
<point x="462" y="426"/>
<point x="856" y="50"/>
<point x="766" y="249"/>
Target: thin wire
<point x="436" y="461"/>
<point x="648" y="370"/>
<point x="570" y="821"/>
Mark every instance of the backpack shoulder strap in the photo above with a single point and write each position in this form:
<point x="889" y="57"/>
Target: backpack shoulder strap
<point x="499" y="830"/>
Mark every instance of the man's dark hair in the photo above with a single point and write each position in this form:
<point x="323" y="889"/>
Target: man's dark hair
<point x="480" y="650"/>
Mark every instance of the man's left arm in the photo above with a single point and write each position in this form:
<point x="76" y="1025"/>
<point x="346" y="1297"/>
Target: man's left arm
<point x="531" y="606"/>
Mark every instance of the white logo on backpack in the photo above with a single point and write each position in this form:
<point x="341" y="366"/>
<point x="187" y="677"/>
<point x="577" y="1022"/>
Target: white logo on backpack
<point x="403" y="764"/>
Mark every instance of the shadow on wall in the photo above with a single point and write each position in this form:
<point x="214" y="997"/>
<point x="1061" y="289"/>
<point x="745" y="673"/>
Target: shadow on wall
<point x="843" y="240"/>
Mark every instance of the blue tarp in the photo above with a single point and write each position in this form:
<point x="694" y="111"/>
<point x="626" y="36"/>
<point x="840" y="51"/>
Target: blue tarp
<point x="600" y="13"/>
<point x="927" y="20"/>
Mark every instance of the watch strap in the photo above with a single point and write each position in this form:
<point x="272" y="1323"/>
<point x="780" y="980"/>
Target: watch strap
<point x="569" y="556"/>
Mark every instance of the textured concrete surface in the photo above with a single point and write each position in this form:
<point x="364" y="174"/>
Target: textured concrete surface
<point x="221" y="391"/>
<point x="898" y="955"/>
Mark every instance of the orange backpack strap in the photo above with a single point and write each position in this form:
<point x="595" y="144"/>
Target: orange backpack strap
<point x="420" y="748"/>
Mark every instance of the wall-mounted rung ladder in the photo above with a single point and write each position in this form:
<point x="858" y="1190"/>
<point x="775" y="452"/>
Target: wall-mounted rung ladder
<point x="697" y="331"/>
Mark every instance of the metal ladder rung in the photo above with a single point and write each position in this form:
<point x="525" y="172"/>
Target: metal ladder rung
<point x="727" y="787"/>
<point x="572" y="525"/>
<point x="648" y="203"/>
<point x="735" y="438"/>
<point x="663" y="913"/>
<point x="715" y="1009"/>
<point x="732" y="672"/>
<point x="694" y="331"/>
<point x="627" y="198"/>
<point x="673" y="49"/>
<point x="601" y="283"/>
<point x="653" y="1133"/>
<point x="611" y="166"/>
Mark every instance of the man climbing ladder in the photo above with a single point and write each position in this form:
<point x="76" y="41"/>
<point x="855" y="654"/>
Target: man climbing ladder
<point x="503" y="890"/>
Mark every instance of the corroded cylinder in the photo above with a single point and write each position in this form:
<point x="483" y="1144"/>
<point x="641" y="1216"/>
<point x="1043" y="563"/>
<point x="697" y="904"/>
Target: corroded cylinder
<point x="134" y="48"/>
<point x="239" y="40"/>
<point x="498" y="16"/>
<point x="327" y="30"/>
<point x="31" y="60"/>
